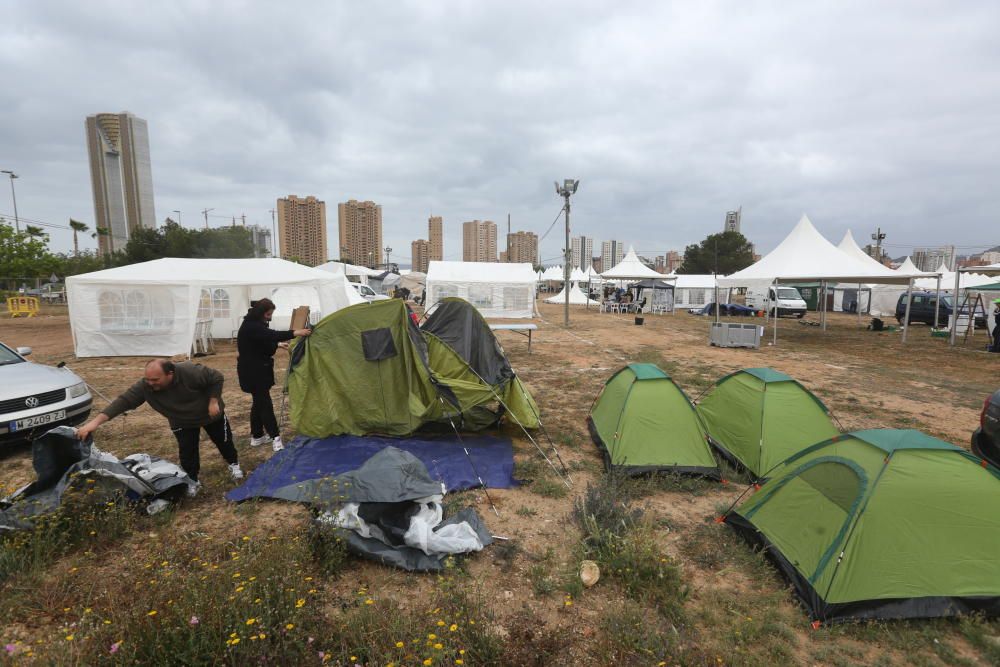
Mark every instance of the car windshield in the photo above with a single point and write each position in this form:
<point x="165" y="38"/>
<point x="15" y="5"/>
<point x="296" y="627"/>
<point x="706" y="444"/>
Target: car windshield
<point x="7" y="356"/>
<point x="788" y="293"/>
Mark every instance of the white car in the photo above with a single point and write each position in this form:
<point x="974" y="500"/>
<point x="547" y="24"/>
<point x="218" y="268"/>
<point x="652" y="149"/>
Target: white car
<point x="35" y="397"/>
<point x="367" y="293"/>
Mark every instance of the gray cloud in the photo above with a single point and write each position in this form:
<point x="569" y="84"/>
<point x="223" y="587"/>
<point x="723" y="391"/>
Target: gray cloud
<point x="860" y="115"/>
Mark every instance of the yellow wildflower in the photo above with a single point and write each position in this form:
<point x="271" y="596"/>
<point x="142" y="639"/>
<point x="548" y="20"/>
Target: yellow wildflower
<point x="152" y="613"/>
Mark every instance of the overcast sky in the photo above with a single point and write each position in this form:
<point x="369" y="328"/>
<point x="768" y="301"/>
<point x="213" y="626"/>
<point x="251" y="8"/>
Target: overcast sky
<point x="858" y="114"/>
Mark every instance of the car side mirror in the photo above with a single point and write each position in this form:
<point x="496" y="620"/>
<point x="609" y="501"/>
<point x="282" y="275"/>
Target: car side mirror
<point x="24" y="351"/>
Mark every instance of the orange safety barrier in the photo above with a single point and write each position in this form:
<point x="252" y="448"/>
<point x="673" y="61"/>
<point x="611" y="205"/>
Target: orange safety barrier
<point x="22" y="306"/>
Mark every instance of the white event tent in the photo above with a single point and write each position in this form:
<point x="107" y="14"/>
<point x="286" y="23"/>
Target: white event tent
<point x="495" y="289"/>
<point x="860" y="293"/>
<point x="696" y="290"/>
<point x="631" y="268"/>
<point x="359" y="274"/>
<point x="806" y="256"/>
<point x="576" y="297"/>
<point x="154" y="308"/>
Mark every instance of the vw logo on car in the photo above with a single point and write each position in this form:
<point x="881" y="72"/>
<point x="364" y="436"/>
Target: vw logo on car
<point x="31" y="402"/>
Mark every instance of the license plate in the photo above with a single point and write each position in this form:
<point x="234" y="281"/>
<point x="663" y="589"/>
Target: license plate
<point x="37" y="420"/>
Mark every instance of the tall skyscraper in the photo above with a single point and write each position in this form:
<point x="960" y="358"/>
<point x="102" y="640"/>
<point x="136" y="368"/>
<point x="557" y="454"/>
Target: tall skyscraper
<point x="479" y="241"/>
<point x="420" y="251"/>
<point x="435" y="236"/>
<point x="674" y="260"/>
<point x="261" y="237"/>
<point x="732" y="223"/>
<point x="611" y="254"/>
<point x="522" y="247"/>
<point x="582" y="249"/>
<point x="121" y="177"/>
<point x="929" y="259"/>
<point x="360" y="232"/>
<point x="302" y="229"/>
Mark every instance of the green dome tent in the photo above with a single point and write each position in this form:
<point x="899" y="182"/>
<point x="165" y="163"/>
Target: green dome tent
<point x="881" y="524"/>
<point x="368" y="368"/>
<point x="758" y="417"/>
<point x="645" y="423"/>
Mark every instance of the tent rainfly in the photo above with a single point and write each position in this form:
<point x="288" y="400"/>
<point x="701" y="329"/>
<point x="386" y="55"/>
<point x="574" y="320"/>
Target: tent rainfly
<point x="758" y="417"/>
<point x="631" y="268"/>
<point x="644" y="422"/>
<point x="495" y="289"/>
<point x="881" y="524"/>
<point x="153" y="308"/>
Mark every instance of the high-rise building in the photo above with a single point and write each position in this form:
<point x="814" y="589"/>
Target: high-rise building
<point x="732" y="223"/>
<point x="929" y="259"/>
<point x="302" y="229"/>
<point x="260" y="236"/>
<point x="674" y="260"/>
<point x="435" y="236"/>
<point x="660" y="264"/>
<point x="360" y="232"/>
<point x="479" y="241"/>
<point x="420" y="251"/>
<point x="611" y="254"/>
<point x="522" y="247"/>
<point x="582" y="249"/>
<point x="121" y="177"/>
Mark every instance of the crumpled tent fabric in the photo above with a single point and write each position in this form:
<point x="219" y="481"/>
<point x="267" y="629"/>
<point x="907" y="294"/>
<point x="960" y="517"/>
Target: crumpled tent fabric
<point x="389" y="510"/>
<point x="289" y="474"/>
<point x="370" y="369"/>
<point x="62" y="461"/>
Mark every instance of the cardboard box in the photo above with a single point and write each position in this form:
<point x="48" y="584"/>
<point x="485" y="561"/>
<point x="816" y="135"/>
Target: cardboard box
<point x="300" y="318"/>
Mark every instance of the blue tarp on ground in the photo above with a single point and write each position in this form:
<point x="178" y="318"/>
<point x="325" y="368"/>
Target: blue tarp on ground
<point x="315" y="458"/>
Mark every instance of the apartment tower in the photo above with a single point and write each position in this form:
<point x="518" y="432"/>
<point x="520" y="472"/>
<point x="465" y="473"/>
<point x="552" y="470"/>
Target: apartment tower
<point x="121" y="177"/>
<point x="522" y="247"/>
<point x="479" y="241"/>
<point x="302" y="229"/>
<point x="420" y="251"/>
<point x="360" y="232"/>
<point x="582" y="249"/>
<point x="435" y="236"/>
<point x="611" y="254"/>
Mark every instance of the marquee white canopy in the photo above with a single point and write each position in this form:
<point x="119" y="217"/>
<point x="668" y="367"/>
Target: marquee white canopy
<point x="631" y="268"/>
<point x="495" y="289"/>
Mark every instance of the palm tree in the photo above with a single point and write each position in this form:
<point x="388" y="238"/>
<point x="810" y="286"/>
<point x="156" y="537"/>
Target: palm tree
<point x="77" y="226"/>
<point x="34" y="232"/>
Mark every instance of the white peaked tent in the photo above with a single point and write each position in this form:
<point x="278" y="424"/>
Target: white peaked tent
<point x="553" y="273"/>
<point x="631" y="268"/>
<point x="354" y="273"/>
<point x="154" y="308"/>
<point x="577" y="276"/>
<point x="859" y="294"/>
<point x="576" y="297"/>
<point x="806" y="256"/>
<point x="495" y="289"/>
<point x="696" y="290"/>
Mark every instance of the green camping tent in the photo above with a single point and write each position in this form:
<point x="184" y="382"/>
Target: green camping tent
<point x="881" y="524"/>
<point x="758" y="417"/>
<point x="369" y="369"/>
<point x="645" y="423"/>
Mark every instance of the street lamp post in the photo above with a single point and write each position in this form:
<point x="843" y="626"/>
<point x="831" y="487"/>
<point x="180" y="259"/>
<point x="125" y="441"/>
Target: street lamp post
<point x="17" y="221"/>
<point x="387" y="251"/>
<point x="178" y="216"/>
<point x="568" y="188"/>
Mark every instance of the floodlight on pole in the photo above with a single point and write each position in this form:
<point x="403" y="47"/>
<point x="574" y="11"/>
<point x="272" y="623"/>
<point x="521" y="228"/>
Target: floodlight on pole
<point x="178" y="216"/>
<point x="17" y="221"/>
<point x="388" y="250"/>
<point x="568" y="188"/>
<point x="205" y="213"/>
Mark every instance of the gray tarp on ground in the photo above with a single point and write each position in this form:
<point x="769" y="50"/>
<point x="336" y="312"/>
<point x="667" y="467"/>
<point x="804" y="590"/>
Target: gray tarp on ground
<point x="389" y="510"/>
<point x="61" y="460"/>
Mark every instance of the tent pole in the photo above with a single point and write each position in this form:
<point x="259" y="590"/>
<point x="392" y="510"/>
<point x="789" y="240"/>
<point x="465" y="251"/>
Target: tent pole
<point x="775" y="286"/>
<point x="937" y="302"/>
<point x="715" y="279"/>
<point x="954" y="302"/>
<point x="906" y="316"/>
<point x="822" y="312"/>
<point x="858" y="301"/>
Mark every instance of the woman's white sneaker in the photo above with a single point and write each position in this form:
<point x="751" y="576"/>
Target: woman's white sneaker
<point x="262" y="440"/>
<point x="235" y="471"/>
<point x="277" y="445"/>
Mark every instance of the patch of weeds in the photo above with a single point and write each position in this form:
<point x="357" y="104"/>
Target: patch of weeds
<point x="542" y="582"/>
<point x="648" y="354"/>
<point x="81" y="520"/>
<point x="624" y="545"/>
<point x="749" y="629"/>
<point x="984" y="635"/>
<point x="328" y="548"/>
<point x="526" y="511"/>
<point x="630" y="635"/>
<point x="715" y="547"/>
<point x="549" y="488"/>
<point x="568" y="440"/>
<point x="505" y="553"/>
<point x="532" y="643"/>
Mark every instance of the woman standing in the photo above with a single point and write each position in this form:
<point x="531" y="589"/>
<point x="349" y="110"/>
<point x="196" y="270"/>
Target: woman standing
<point x="256" y="344"/>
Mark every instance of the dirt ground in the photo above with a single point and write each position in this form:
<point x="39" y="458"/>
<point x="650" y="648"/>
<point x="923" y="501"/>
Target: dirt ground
<point x="867" y="379"/>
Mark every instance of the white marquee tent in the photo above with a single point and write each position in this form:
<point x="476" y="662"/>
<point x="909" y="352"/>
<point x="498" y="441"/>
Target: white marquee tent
<point x="496" y="289"/>
<point x="354" y="273"/>
<point x="861" y="293"/>
<point x="553" y="273"/>
<point x="576" y="297"/>
<point x="154" y="308"/>
<point x="631" y="268"/>
<point x="696" y="290"/>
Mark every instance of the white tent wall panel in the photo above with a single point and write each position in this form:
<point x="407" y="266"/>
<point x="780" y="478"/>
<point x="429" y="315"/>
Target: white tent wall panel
<point x="497" y="300"/>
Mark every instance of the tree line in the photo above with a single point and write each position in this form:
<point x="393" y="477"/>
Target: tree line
<point x="26" y="259"/>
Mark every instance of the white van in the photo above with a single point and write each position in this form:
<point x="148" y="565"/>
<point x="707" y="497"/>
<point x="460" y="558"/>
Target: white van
<point x="788" y="300"/>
